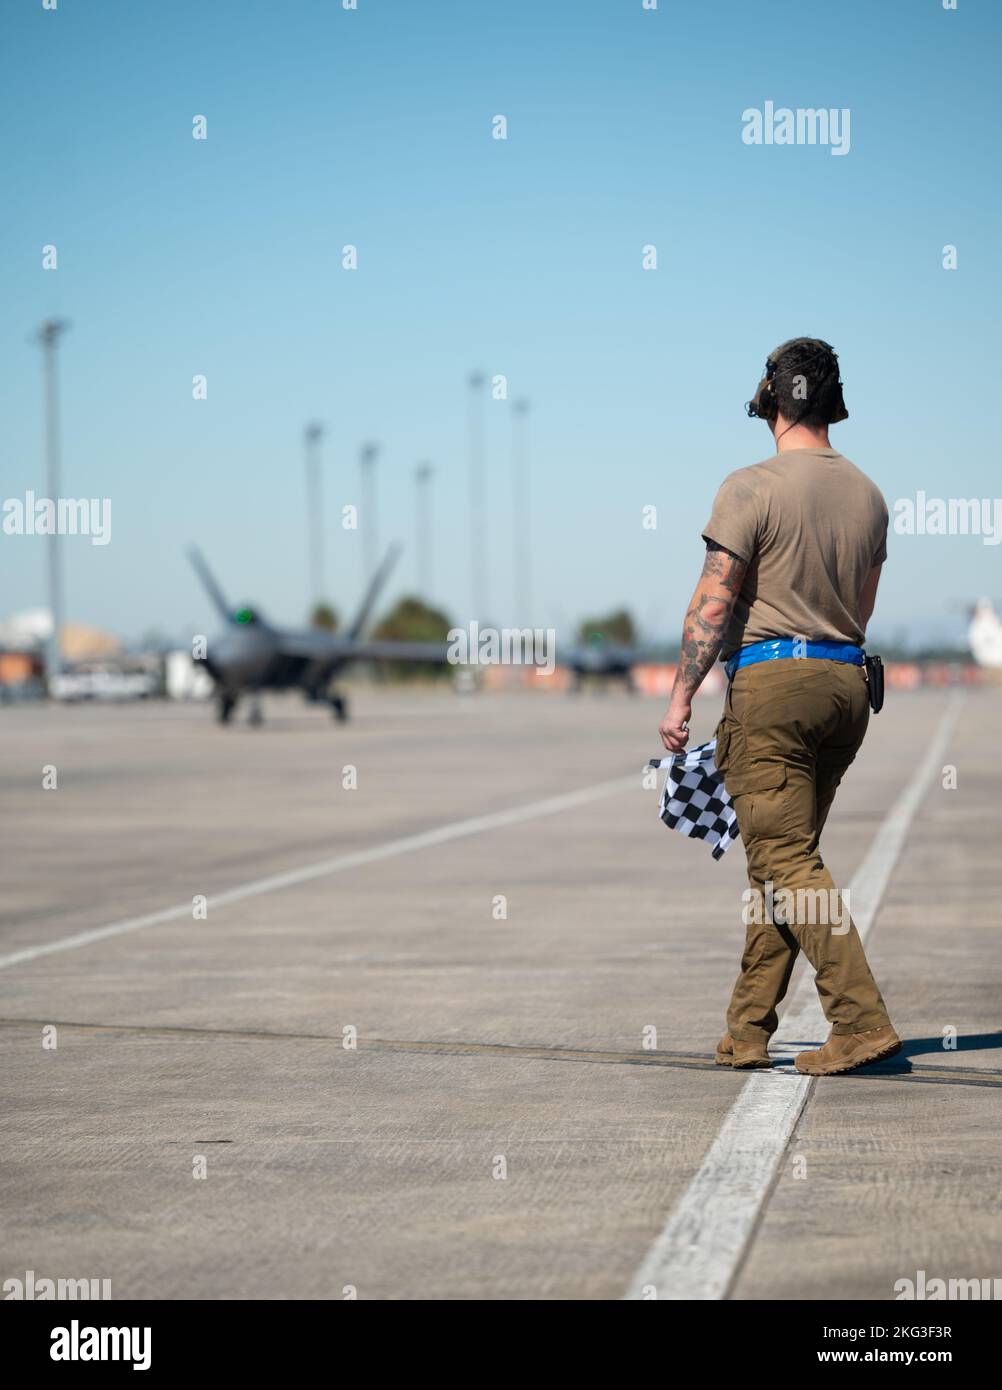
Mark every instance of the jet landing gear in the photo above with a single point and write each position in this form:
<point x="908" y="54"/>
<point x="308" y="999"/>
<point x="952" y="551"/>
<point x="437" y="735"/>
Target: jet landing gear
<point x="255" y="718"/>
<point x="339" y="708"/>
<point x="225" y="705"/>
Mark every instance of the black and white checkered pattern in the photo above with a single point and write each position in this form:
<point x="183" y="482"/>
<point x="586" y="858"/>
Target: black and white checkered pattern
<point x="695" y="801"/>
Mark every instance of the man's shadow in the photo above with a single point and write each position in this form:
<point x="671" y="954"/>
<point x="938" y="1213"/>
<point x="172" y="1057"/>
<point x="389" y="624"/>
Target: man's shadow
<point x="922" y="1047"/>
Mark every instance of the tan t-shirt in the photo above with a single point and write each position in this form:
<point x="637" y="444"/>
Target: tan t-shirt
<point x="810" y="526"/>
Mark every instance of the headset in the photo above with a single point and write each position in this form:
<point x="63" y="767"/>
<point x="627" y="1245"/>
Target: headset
<point x="764" y="406"/>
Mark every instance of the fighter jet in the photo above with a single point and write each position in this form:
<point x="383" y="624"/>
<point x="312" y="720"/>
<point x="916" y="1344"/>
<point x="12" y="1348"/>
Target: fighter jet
<point x="601" y="659"/>
<point x="250" y="655"/>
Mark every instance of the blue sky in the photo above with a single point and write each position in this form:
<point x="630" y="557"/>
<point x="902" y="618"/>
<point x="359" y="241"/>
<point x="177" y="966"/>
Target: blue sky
<point x="521" y="257"/>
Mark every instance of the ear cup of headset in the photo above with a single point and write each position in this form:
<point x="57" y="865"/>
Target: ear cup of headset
<point x="769" y="408"/>
<point x="762" y="405"/>
<point x="839" y="411"/>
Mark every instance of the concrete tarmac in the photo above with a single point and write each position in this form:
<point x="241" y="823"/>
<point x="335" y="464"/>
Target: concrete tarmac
<point x="475" y="1066"/>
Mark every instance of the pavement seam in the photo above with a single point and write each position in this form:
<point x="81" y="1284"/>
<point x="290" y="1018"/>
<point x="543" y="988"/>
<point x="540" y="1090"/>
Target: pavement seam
<point x="696" y="1061"/>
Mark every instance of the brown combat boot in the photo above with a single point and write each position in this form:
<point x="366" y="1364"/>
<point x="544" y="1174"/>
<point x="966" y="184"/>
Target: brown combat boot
<point x="743" y="1055"/>
<point x="843" y="1051"/>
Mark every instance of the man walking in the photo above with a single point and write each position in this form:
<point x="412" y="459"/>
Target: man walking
<point x="794" y="548"/>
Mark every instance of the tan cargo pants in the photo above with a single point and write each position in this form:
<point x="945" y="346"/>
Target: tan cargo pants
<point x="790" y="729"/>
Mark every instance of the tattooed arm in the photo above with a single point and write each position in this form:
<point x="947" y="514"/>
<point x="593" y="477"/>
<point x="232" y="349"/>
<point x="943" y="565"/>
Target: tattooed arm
<point x="702" y="635"/>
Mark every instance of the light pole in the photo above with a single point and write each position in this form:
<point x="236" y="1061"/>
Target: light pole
<point x="370" y="522"/>
<point x="520" y="512"/>
<point x="478" y="497"/>
<point x="422" y="522"/>
<point x="48" y="336"/>
<point x="312" y="436"/>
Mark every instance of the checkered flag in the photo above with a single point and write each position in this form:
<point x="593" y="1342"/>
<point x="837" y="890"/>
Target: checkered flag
<point x="695" y="801"/>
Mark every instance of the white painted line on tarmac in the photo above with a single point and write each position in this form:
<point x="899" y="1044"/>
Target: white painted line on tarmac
<point x="408" y="844"/>
<point x="700" y="1249"/>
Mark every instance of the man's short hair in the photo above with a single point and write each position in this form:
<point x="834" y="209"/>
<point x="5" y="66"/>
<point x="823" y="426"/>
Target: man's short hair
<point x="806" y="382"/>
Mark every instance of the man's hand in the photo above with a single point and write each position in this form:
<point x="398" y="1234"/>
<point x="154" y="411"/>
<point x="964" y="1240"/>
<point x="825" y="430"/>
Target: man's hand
<point x="675" y="726"/>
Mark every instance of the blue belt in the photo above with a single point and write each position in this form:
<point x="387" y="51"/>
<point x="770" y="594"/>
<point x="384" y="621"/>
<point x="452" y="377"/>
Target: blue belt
<point x="781" y="648"/>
